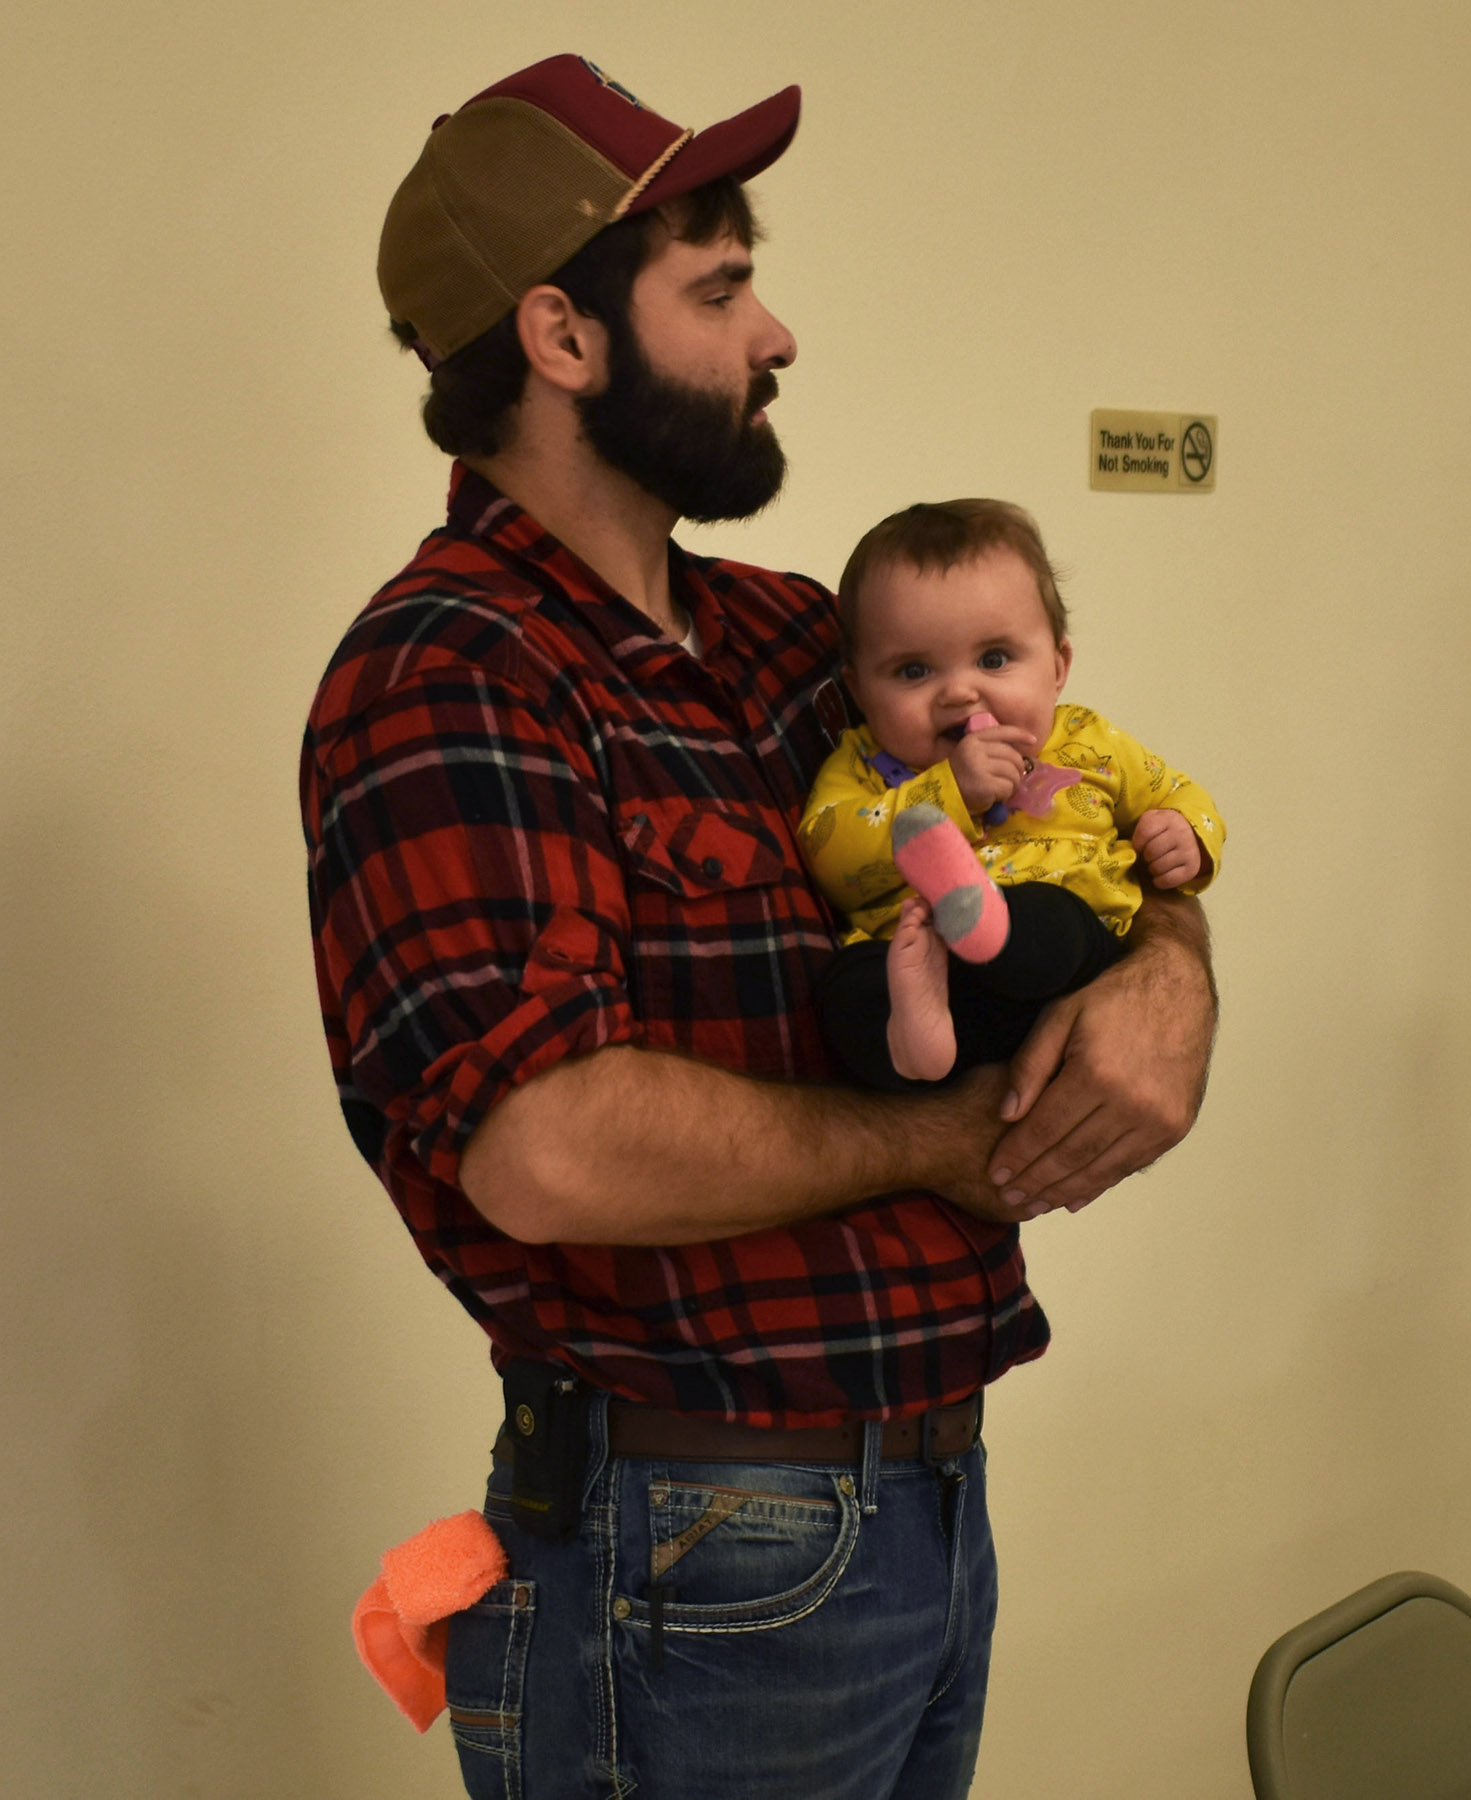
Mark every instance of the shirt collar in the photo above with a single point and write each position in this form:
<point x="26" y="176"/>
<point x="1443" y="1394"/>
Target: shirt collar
<point x="478" y="509"/>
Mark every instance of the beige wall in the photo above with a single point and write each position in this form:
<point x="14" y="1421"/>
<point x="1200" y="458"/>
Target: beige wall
<point x="228" y="1384"/>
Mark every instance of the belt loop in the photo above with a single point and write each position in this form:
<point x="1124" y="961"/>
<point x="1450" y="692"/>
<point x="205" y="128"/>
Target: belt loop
<point x="927" y="1443"/>
<point x="597" y="1442"/>
<point x="868" y="1475"/>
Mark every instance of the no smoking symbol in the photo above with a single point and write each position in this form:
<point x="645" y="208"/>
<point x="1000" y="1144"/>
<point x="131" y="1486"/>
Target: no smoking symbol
<point x="1196" y="451"/>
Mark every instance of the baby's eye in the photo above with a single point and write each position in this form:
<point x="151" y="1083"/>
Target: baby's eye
<point x="993" y="659"/>
<point x="913" y="671"/>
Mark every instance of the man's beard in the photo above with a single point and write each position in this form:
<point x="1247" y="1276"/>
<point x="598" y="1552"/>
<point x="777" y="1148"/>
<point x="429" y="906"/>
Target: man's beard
<point x="686" y="446"/>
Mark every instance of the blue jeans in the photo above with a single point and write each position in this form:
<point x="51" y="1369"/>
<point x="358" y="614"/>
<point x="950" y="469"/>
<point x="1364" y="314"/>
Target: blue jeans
<point x="734" y="1631"/>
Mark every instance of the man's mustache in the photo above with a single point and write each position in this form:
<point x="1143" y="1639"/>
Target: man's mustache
<point x="763" y="391"/>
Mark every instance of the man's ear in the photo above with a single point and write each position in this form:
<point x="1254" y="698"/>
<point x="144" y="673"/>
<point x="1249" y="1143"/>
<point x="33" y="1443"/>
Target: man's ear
<point x="564" y="347"/>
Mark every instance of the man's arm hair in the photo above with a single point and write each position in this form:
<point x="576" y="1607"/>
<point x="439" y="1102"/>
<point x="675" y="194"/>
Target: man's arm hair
<point x="633" y="1146"/>
<point x="1113" y="1075"/>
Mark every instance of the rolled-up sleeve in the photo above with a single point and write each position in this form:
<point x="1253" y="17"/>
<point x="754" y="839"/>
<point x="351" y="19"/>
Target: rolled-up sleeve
<point x="469" y="905"/>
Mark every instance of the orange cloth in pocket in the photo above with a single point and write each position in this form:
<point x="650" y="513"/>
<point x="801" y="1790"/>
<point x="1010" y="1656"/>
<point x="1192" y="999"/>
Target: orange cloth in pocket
<point x="401" y="1624"/>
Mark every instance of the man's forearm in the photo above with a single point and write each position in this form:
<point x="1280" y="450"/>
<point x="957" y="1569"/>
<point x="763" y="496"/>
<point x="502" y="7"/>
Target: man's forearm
<point x="1113" y="1075"/>
<point x="641" y="1147"/>
<point x="1177" y="987"/>
<point x="1180" y="920"/>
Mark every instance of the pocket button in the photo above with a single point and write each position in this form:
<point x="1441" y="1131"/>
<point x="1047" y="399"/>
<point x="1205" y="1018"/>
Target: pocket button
<point x="713" y="867"/>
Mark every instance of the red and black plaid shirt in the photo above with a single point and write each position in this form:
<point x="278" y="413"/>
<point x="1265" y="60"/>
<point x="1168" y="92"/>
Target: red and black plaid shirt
<point x="536" y="827"/>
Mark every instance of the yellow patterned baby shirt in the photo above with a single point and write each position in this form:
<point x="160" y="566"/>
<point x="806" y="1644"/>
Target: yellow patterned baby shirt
<point x="1082" y="844"/>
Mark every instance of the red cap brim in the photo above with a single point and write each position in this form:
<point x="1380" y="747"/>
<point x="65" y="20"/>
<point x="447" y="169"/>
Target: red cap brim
<point x="742" y="146"/>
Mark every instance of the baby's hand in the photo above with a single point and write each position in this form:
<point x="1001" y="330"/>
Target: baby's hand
<point x="990" y="763"/>
<point x="1169" y="846"/>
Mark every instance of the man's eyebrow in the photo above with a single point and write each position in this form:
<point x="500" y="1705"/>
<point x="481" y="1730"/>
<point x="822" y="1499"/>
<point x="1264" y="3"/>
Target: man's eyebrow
<point x="730" y="273"/>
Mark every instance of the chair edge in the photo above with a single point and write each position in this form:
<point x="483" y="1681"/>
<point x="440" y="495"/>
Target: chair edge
<point x="1266" y="1753"/>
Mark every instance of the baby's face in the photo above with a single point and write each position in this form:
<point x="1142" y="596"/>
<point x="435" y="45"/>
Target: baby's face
<point x="933" y="648"/>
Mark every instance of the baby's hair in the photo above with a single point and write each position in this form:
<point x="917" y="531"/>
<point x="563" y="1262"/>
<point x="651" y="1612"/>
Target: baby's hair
<point x="939" y="534"/>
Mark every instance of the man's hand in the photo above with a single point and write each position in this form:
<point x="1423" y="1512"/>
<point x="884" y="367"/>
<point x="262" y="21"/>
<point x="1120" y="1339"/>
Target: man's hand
<point x="1113" y="1075"/>
<point x="990" y="763"/>
<point x="1169" y="846"/>
<point x="960" y="1129"/>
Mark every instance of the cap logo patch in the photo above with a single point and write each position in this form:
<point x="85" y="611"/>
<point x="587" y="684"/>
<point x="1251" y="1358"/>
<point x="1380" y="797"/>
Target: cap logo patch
<point x="617" y="86"/>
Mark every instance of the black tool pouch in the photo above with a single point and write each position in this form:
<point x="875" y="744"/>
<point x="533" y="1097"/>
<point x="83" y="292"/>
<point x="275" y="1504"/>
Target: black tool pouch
<point x="546" y="1421"/>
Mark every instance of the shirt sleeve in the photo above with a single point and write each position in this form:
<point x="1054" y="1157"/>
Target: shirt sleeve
<point x="1147" y="783"/>
<point x="469" y="904"/>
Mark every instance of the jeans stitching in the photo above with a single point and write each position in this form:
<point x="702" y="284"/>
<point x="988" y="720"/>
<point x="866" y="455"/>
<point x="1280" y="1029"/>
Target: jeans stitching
<point x="780" y="1508"/>
<point x="510" y="1793"/>
<point x="957" y="1620"/>
<point x="508" y="1750"/>
<point x="746" y="1615"/>
<point x="871" y="1469"/>
<point x="605" y="1517"/>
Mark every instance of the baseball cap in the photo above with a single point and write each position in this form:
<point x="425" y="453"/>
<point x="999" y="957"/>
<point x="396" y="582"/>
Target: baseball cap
<point x="512" y="185"/>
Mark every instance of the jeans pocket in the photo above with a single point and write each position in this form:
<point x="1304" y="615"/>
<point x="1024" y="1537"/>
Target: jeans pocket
<point x="484" y="1677"/>
<point x="747" y="1550"/>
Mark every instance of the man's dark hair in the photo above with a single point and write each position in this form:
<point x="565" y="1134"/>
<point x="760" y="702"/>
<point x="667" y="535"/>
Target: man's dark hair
<point x="471" y="392"/>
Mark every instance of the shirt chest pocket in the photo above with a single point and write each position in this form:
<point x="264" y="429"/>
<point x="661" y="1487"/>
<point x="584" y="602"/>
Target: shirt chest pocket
<point x="698" y="851"/>
<point x="707" y="897"/>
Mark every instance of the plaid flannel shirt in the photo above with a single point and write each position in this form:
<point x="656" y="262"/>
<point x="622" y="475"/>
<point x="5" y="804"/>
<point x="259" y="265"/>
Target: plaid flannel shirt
<point x="536" y="827"/>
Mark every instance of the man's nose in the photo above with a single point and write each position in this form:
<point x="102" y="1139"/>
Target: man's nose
<point x="775" y="347"/>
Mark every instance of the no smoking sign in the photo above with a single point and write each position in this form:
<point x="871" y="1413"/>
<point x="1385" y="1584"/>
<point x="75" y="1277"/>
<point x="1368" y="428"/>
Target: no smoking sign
<point x="1153" y="452"/>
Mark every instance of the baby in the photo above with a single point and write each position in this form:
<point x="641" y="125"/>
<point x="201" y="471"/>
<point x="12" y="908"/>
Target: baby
<point x="973" y="811"/>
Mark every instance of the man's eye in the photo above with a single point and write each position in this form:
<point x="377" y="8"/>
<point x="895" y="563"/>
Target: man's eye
<point x="721" y="299"/>
<point x="994" y="659"/>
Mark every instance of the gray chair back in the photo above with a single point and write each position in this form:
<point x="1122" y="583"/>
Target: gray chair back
<point x="1370" y="1700"/>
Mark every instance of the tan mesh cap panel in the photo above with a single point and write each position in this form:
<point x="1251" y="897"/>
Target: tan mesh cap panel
<point x="500" y="198"/>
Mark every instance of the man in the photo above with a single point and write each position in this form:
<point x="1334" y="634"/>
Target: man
<point x="567" y="948"/>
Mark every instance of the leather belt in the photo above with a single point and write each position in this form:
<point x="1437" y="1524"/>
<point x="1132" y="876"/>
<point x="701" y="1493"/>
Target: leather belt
<point x="935" y="1436"/>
